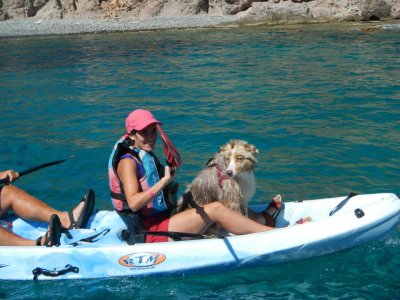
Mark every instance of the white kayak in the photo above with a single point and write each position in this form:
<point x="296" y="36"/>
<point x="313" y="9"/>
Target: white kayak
<point x="337" y="224"/>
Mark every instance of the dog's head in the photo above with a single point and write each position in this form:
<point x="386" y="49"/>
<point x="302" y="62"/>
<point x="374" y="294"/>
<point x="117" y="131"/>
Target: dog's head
<point x="239" y="157"/>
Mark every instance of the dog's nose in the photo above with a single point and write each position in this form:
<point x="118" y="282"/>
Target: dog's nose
<point x="229" y="173"/>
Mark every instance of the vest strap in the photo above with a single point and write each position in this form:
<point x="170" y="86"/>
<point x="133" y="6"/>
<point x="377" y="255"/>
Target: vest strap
<point x="118" y="196"/>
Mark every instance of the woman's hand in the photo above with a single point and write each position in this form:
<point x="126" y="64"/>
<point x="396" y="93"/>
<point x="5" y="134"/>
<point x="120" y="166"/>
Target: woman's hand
<point x="10" y="174"/>
<point x="169" y="174"/>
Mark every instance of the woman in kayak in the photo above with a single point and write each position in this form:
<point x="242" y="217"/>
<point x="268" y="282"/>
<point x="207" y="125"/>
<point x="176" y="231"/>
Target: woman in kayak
<point x="140" y="184"/>
<point x="30" y="208"/>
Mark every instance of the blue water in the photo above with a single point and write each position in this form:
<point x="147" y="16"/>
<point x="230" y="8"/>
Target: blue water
<point x="322" y="106"/>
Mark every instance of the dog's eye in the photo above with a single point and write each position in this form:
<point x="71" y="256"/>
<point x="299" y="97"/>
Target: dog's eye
<point x="239" y="158"/>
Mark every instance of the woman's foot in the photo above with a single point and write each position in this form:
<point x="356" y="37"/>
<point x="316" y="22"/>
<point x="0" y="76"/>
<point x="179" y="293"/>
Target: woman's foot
<point x="76" y="212"/>
<point x="79" y="216"/>
<point x="271" y="213"/>
<point x="304" y="220"/>
<point x="53" y="234"/>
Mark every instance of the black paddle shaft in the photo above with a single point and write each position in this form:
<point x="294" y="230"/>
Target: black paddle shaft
<point x="342" y="203"/>
<point x="22" y="173"/>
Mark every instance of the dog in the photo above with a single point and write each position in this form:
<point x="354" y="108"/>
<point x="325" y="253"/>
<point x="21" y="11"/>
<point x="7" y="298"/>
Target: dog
<point x="228" y="177"/>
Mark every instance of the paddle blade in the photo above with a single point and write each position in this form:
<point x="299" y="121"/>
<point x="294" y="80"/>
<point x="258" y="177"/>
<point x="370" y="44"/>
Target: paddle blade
<point x="172" y="155"/>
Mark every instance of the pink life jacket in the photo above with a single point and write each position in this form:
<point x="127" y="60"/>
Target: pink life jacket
<point x="149" y="169"/>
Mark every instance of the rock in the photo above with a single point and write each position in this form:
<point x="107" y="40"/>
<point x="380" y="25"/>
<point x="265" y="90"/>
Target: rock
<point x="68" y="7"/>
<point x="82" y="6"/>
<point x="229" y="7"/>
<point x="341" y="10"/>
<point x="375" y="10"/>
<point x="277" y="13"/>
<point x="167" y="8"/>
<point x="3" y="14"/>
<point x="395" y="11"/>
<point x="268" y="11"/>
<point x="16" y="8"/>
<point x="50" y="11"/>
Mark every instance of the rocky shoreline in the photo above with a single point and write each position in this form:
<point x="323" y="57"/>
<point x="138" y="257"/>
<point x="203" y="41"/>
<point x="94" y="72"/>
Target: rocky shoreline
<point x="39" y="27"/>
<point x="90" y="16"/>
<point x="36" y="27"/>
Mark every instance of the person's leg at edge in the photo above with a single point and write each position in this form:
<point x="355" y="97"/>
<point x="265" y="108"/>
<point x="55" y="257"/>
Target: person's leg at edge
<point x="199" y="219"/>
<point x="29" y="207"/>
<point x="7" y="238"/>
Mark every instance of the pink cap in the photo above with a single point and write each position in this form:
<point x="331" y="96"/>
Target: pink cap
<point x="140" y="119"/>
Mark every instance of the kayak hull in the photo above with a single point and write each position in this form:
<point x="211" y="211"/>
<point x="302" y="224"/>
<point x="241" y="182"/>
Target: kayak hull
<point x="110" y="256"/>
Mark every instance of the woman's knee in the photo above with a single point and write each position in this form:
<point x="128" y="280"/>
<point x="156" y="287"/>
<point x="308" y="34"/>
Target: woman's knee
<point x="6" y="194"/>
<point x="215" y="208"/>
<point x="9" y="191"/>
<point x="6" y="190"/>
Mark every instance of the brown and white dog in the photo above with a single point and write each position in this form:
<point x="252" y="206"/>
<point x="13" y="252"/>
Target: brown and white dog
<point x="228" y="178"/>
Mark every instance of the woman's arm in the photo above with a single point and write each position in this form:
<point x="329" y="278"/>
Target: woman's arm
<point x="128" y="174"/>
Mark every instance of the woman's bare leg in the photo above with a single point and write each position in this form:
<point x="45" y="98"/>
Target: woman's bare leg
<point x="199" y="219"/>
<point x="7" y="238"/>
<point x="31" y="208"/>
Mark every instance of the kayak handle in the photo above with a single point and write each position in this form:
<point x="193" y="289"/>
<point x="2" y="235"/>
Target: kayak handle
<point x="53" y="273"/>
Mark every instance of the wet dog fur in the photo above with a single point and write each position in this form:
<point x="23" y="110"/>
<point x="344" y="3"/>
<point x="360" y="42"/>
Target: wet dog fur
<point x="228" y="178"/>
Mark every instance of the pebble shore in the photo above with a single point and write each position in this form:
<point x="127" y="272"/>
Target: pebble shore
<point x="36" y="27"/>
<point x="80" y="25"/>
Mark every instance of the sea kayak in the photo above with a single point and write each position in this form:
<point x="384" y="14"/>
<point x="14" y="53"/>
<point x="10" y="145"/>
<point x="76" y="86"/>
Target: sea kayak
<point x="97" y="252"/>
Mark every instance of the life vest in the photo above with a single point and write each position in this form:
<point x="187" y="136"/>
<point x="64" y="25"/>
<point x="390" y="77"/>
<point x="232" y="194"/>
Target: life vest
<point x="150" y="171"/>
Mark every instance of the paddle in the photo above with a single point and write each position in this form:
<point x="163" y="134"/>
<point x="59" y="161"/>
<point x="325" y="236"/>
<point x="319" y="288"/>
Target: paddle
<point x="22" y="173"/>
<point x="172" y="155"/>
<point x="341" y="204"/>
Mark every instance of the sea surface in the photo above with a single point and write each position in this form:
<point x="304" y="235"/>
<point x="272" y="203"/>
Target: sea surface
<point x="322" y="105"/>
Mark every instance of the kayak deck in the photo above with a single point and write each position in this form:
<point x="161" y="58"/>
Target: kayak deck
<point x="362" y="218"/>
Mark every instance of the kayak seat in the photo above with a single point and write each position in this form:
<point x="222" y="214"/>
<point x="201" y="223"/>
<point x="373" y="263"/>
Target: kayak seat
<point x="134" y="232"/>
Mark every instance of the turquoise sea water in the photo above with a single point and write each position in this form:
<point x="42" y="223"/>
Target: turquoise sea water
<point x="322" y="106"/>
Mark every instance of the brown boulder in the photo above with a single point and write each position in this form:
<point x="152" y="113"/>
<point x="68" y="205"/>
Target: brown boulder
<point x="375" y="10"/>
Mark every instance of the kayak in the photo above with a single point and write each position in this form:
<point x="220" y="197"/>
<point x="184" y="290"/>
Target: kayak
<point x="97" y="252"/>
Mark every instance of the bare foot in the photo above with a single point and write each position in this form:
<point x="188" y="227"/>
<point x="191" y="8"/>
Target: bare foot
<point x="76" y="212"/>
<point x="277" y="198"/>
<point x="272" y="211"/>
<point x="304" y="220"/>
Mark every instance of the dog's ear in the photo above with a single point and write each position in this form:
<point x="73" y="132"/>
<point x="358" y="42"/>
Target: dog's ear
<point x="251" y="148"/>
<point x="222" y="148"/>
